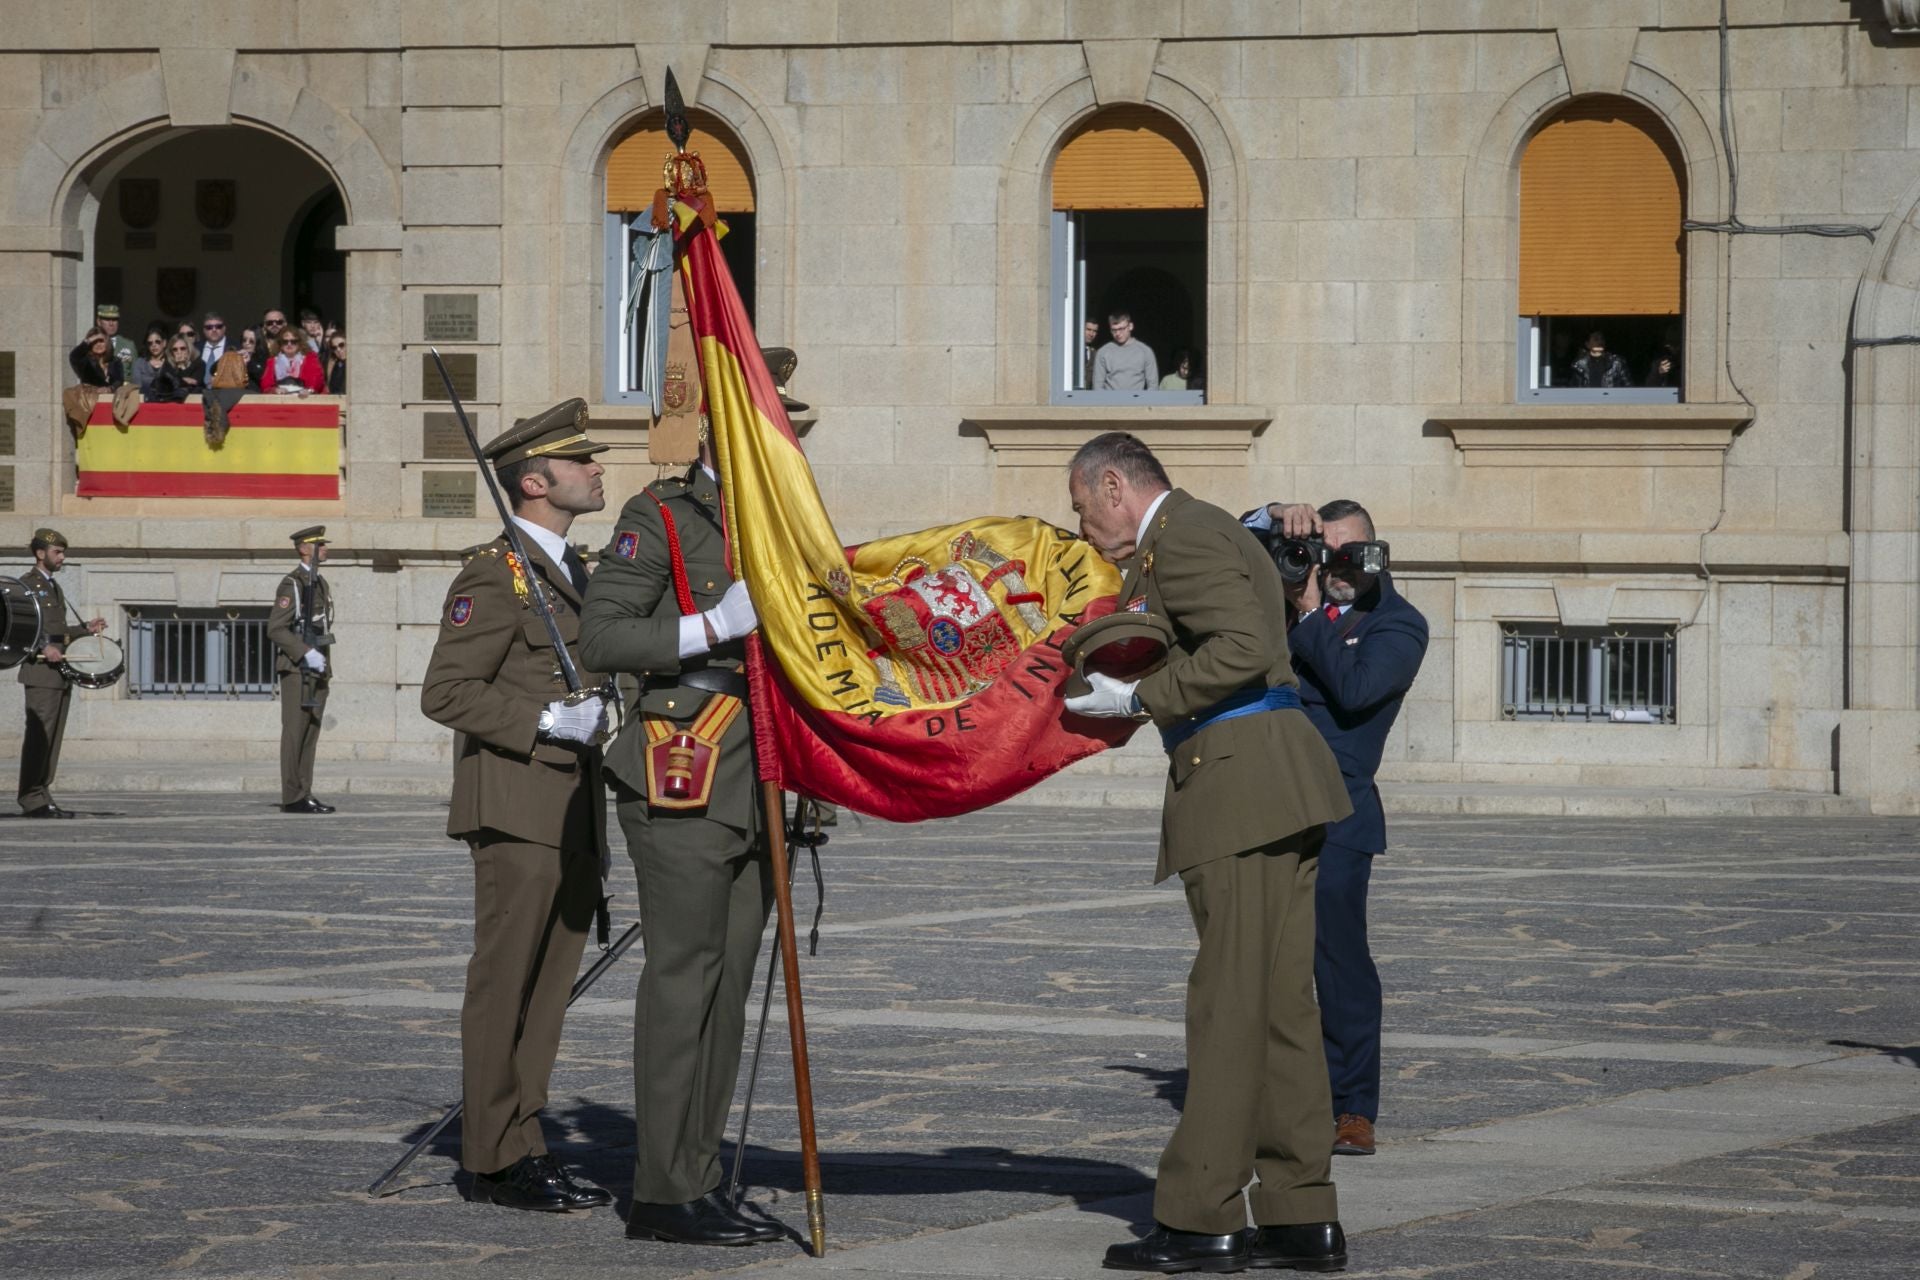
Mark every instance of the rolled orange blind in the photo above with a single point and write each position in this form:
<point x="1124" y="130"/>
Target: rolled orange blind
<point x="1129" y="157"/>
<point x="1600" y="210"/>
<point x="633" y="168"/>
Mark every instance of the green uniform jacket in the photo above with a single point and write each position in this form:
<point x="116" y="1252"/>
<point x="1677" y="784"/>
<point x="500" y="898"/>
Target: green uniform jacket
<point x="492" y="673"/>
<point x="299" y="591"/>
<point x="53" y="626"/>
<point x="1252" y="780"/>
<point x="631" y="624"/>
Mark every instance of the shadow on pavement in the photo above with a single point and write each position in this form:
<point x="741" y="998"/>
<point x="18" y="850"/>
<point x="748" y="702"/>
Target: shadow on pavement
<point x="1169" y="1087"/>
<point x="1909" y="1055"/>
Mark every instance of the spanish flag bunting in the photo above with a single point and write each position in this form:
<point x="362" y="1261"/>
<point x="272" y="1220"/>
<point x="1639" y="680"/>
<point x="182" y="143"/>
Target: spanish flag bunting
<point x="912" y="677"/>
<point x="275" y="448"/>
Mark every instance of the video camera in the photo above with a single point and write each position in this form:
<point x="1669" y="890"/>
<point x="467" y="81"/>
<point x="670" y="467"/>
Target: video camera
<point x="1298" y="557"/>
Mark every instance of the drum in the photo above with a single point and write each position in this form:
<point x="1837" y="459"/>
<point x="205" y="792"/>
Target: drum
<point x="93" y="662"/>
<point x="20" y="628"/>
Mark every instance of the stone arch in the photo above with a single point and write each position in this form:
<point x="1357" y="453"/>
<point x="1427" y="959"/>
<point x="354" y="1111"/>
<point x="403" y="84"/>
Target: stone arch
<point x="579" y="205"/>
<point x="1491" y="223"/>
<point x="1021" y="305"/>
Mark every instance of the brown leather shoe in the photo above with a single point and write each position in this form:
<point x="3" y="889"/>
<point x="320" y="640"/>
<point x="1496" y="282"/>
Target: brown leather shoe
<point x="1353" y="1136"/>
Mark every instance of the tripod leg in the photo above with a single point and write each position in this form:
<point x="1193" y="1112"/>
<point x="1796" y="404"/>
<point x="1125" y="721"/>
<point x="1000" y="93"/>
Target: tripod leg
<point x="753" y="1078"/>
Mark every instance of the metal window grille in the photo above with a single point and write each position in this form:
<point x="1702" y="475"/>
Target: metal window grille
<point x="1621" y="674"/>
<point x="199" y="653"/>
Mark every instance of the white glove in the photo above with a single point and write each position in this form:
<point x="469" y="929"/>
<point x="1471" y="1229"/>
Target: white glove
<point x="734" y="616"/>
<point x="573" y="722"/>
<point x="315" y="661"/>
<point x="1109" y="698"/>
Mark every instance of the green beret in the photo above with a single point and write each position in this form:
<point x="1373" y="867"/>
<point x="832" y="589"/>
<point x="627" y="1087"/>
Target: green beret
<point x="47" y="538"/>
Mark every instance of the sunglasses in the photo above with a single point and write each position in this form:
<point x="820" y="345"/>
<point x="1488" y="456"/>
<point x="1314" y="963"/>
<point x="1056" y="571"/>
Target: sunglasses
<point x="215" y="324"/>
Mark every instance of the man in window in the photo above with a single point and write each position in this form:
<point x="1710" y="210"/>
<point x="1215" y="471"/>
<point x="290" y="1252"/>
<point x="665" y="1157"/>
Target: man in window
<point x="1089" y="346"/>
<point x="1123" y="364"/>
<point x="1599" y="367"/>
<point x="1356" y="646"/>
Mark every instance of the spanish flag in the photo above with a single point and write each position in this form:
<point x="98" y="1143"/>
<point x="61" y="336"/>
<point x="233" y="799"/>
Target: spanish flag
<point x="275" y="448"/>
<point x="911" y="677"/>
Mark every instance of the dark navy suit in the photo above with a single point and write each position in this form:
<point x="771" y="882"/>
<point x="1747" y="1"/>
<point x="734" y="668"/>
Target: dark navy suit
<point x="1354" y="673"/>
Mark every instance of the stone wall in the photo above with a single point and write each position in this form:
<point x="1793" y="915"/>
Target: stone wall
<point x="1362" y="205"/>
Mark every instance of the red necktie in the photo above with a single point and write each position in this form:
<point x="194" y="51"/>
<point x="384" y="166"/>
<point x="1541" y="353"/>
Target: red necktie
<point x="1333" y="612"/>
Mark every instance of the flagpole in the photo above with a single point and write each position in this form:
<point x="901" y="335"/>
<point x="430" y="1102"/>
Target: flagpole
<point x="775" y="808"/>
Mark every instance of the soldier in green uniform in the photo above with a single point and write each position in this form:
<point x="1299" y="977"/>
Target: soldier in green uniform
<point x="527" y="799"/>
<point x="1251" y="785"/>
<point x="47" y="691"/>
<point x="299" y="626"/>
<point x="664" y="608"/>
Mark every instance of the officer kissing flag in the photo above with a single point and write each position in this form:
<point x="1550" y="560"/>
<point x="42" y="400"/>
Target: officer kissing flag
<point x="915" y="676"/>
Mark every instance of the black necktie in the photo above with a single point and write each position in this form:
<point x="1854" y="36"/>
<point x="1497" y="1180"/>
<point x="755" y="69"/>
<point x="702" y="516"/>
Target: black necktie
<point x="576" y="570"/>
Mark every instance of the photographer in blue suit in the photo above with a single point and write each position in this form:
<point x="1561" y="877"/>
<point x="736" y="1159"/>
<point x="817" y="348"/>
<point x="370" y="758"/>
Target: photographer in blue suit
<point x="1357" y="646"/>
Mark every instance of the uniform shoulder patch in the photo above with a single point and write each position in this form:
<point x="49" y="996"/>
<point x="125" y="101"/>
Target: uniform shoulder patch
<point x="626" y="544"/>
<point x="284" y="602"/>
<point x="460" y="611"/>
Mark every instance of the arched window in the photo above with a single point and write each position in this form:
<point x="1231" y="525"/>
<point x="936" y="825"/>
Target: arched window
<point x="633" y="175"/>
<point x="1602" y="256"/>
<point x="1129" y="241"/>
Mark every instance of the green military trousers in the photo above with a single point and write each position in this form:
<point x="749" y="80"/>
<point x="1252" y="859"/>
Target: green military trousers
<point x="40" y="750"/>
<point x="705" y="891"/>
<point x="532" y="907"/>
<point x="299" y="737"/>
<point x="1257" y="1096"/>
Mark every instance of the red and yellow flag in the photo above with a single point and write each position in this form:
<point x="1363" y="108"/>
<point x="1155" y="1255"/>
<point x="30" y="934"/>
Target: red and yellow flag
<point x="275" y="448"/>
<point x="912" y="677"/>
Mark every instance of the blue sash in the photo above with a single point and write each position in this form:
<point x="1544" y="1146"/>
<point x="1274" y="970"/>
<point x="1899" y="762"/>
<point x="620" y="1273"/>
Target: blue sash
<point x="1248" y="702"/>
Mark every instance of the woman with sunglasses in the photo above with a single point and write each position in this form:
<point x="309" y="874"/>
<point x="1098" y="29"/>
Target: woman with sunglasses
<point x="181" y="376"/>
<point x="152" y="358"/>
<point x="336" y="363"/>
<point x="293" y="370"/>
<point x="94" y="363"/>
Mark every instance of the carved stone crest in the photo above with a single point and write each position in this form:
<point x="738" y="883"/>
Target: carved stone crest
<point x="215" y="201"/>
<point x="139" y="202"/>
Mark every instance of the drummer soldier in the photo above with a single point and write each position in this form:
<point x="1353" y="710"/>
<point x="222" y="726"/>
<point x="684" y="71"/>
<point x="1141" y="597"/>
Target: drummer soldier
<point x="47" y="690"/>
<point x="298" y="625"/>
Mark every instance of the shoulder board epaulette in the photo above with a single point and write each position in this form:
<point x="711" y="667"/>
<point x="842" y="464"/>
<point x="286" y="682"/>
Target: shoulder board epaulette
<point x="484" y="549"/>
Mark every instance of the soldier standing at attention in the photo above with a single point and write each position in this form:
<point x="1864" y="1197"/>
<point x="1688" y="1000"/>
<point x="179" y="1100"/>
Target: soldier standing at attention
<point x="298" y="626"/>
<point x="664" y="608"/>
<point x="528" y="801"/>
<point x="47" y="691"/>
<point x="1250" y="788"/>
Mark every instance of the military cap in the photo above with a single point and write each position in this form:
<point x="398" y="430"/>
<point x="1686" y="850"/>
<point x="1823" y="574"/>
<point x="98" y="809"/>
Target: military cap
<point x="781" y="362"/>
<point x="560" y="432"/>
<point x="1125" y="645"/>
<point x="312" y="533"/>
<point x="47" y="538"/>
<point x="107" y="311"/>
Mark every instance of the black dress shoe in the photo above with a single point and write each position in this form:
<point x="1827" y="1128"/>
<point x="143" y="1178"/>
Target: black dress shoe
<point x="49" y="810"/>
<point x="578" y="1195"/>
<point x="700" y="1221"/>
<point x="1168" y="1251"/>
<point x="762" y="1229"/>
<point x="1311" y="1246"/>
<point x="524" y="1184"/>
<point x="309" y="805"/>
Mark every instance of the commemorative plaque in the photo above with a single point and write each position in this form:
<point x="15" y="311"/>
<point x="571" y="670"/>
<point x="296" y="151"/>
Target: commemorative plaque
<point x="6" y="433"/>
<point x="441" y="438"/>
<point x="6" y="488"/>
<point x="446" y="495"/>
<point x="6" y="375"/>
<point x="450" y="317"/>
<point x="462" y="366"/>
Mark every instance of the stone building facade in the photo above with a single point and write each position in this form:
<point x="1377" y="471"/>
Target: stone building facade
<point x="1361" y="164"/>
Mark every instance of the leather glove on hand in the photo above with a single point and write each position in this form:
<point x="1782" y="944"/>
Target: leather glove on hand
<point x="573" y="722"/>
<point x="734" y="616"/>
<point x="1110" y="698"/>
<point x="315" y="661"/>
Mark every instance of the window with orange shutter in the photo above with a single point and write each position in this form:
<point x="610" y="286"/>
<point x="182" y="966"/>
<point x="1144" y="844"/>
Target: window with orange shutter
<point x="1129" y="236"/>
<point x="1602" y="256"/>
<point x="633" y="174"/>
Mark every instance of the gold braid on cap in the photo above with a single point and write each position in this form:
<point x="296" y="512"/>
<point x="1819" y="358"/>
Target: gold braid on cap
<point x="551" y="445"/>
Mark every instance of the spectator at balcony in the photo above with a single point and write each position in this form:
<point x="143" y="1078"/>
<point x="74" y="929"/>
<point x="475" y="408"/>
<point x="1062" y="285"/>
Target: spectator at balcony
<point x="107" y="317"/>
<point x="267" y="346"/>
<point x="147" y="365"/>
<point x="1089" y="344"/>
<point x="1664" y="371"/>
<point x="94" y="363"/>
<point x="313" y="329"/>
<point x="1123" y="364"/>
<point x="294" y="370"/>
<point x="1599" y="367"/>
<point x="213" y="340"/>
<point x="1182" y="371"/>
<point x="181" y="376"/>
<point x="336" y="360"/>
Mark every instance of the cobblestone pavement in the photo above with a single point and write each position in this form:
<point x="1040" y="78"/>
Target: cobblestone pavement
<point x="1668" y="1047"/>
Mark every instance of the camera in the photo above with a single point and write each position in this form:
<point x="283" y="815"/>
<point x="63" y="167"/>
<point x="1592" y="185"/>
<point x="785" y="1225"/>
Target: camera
<point x="1298" y="557"/>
